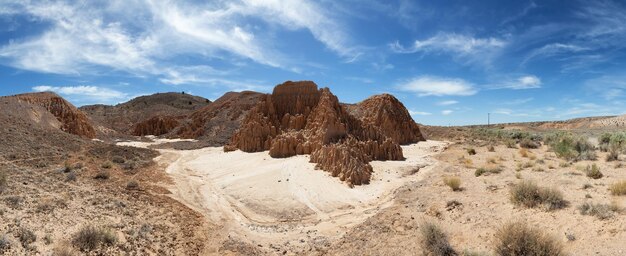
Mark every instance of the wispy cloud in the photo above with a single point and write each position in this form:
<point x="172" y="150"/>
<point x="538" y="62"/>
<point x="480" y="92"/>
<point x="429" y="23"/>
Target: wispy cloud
<point x="419" y="113"/>
<point x="145" y="37"/>
<point x="464" y="48"/>
<point x="516" y="82"/>
<point x="86" y="93"/>
<point x="438" y="86"/>
<point x="518" y="101"/>
<point x="447" y="102"/>
<point x="446" y="112"/>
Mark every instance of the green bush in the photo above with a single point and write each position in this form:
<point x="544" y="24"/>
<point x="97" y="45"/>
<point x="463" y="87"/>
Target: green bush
<point x="435" y="242"/>
<point x="517" y="239"/>
<point x="528" y="194"/>
<point x="570" y="147"/>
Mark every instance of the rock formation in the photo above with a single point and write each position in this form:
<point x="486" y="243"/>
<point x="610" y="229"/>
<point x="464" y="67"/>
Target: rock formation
<point x="216" y="122"/>
<point x="72" y="120"/>
<point x="297" y="118"/>
<point x="157" y="126"/>
<point x="390" y="115"/>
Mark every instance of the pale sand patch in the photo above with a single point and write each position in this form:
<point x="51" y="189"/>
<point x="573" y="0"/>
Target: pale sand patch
<point x="276" y="200"/>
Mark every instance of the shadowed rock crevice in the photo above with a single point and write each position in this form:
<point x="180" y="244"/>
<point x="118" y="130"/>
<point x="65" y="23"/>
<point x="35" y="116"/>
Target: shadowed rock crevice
<point x="297" y="119"/>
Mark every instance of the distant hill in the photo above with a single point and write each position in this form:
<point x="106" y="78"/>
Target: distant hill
<point x="123" y="118"/>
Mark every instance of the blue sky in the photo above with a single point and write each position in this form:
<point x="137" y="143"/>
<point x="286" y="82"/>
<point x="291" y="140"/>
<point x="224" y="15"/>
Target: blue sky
<point x="449" y="62"/>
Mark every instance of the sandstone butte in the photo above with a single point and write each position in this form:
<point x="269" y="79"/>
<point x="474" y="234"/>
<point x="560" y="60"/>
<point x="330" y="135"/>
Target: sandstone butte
<point x="72" y="120"/>
<point x="297" y="118"/>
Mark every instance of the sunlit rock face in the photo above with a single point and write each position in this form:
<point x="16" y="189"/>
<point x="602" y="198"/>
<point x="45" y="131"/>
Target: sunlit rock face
<point x="298" y="118"/>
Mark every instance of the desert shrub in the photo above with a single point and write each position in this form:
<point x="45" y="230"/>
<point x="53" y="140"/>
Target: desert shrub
<point x="102" y="175"/>
<point x="518" y="176"/>
<point x="132" y="185"/>
<point x="488" y="170"/>
<point x="435" y="242"/>
<point x="510" y="143"/>
<point x="89" y="238"/>
<point x="538" y="169"/>
<point x="491" y="148"/>
<point x="528" y="194"/>
<point x="26" y="236"/>
<point x="471" y="151"/>
<point x="492" y="160"/>
<point x="593" y="171"/>
<point x="528" y="164"/>
<point x="63" y="250"/>
<point x="601" y="211"/>
<point x="618" y="188"/>
<point x="118" y="159"/>
<point x="3" y="181"/>
<point x="107" y="165"/>
<point x="528" y="143"/>
<point x="71" y="176"/>
<point x="453" y="182"/>
<point x="5" y="243"/>
<point x="13" y="201"/>
<point x="587" y="186"/>
<point x="517" y="239"/>
<point x="572" y="148"/>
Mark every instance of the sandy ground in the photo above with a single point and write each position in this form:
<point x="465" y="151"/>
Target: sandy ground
<point x="284" y="202"/>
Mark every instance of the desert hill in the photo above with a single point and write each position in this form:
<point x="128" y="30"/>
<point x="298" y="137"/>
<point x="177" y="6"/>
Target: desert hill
<point x="297" y="119"/>
<point x="157" y="113"/>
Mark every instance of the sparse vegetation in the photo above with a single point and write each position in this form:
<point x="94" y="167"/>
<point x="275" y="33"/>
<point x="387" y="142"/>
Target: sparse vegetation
<point x="523" y="152"/>
<point x="71" y="176"/>
<point x="90" y="238"/>
<point x="528" y="194"/>
<point x="118" y="159"/>
<point x="538" y="169"/>
<point x="528" y="143"/>
<point x="107" y="165"/>
<point x="601" y="211"/>
<point x="5" y="243"/>
<point x="26" y="236"/>
<point x="102" y="175"/>
<point x="517" y="239"/>
<point x="3" y="181"/>
<point x="491" y="148"/>
<point x="593" y="171"/>
<point x="435" y="242"/>
<point x="488" y="170"/>
<point x="132" y="185"/>
<point x="471" y="151"/>
<point x="618" y="188"/>
<point x="453" y="182"/>
<point x="570" y="147"/>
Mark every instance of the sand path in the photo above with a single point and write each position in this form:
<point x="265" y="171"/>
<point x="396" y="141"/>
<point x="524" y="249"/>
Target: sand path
<point x="275" y="201"/>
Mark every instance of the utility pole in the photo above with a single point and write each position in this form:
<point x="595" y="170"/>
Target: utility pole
<point x="488" y="119"/>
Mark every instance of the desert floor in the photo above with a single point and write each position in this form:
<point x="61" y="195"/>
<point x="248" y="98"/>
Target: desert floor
<point x="284" y="206"/>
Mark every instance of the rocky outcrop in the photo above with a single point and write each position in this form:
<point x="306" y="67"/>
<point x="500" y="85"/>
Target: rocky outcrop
<point x="389" y="115"/>
<point x="217" y="122"/>
<point x="155" y="126"/>
<point x="297" y="118"/>
<point x="72" y="120"/>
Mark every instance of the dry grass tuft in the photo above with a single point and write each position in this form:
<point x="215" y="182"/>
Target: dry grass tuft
<point x="435" y="242"/>
<point x="593" y="171"/>
<point x="528" y="194"/>
<point x="488" y="170"/>
<point x="90" y="238"/>
<point x="618" y="188"/>
<point x="601" y="211"/>
<point x="453" y="182"/>
<point x="517" y="239"/>
<point x="3" y="181"/>
<point x="523" y="152"/>
<point x="471" y="151"/>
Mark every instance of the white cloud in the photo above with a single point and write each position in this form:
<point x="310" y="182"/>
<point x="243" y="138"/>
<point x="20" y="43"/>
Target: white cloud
<point x="553" y="49"/>
<point x="438" y="86"/>
<point x="419" y="113"/>
<point x="518" y="101"/>
<point x="465" y="48"/>
<point x="142" y="37"/>
<point x="446" y="112"/>
<point x="447" y="102"/>
<point x="517" y="83"/>
<point x="98" y="93"/>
